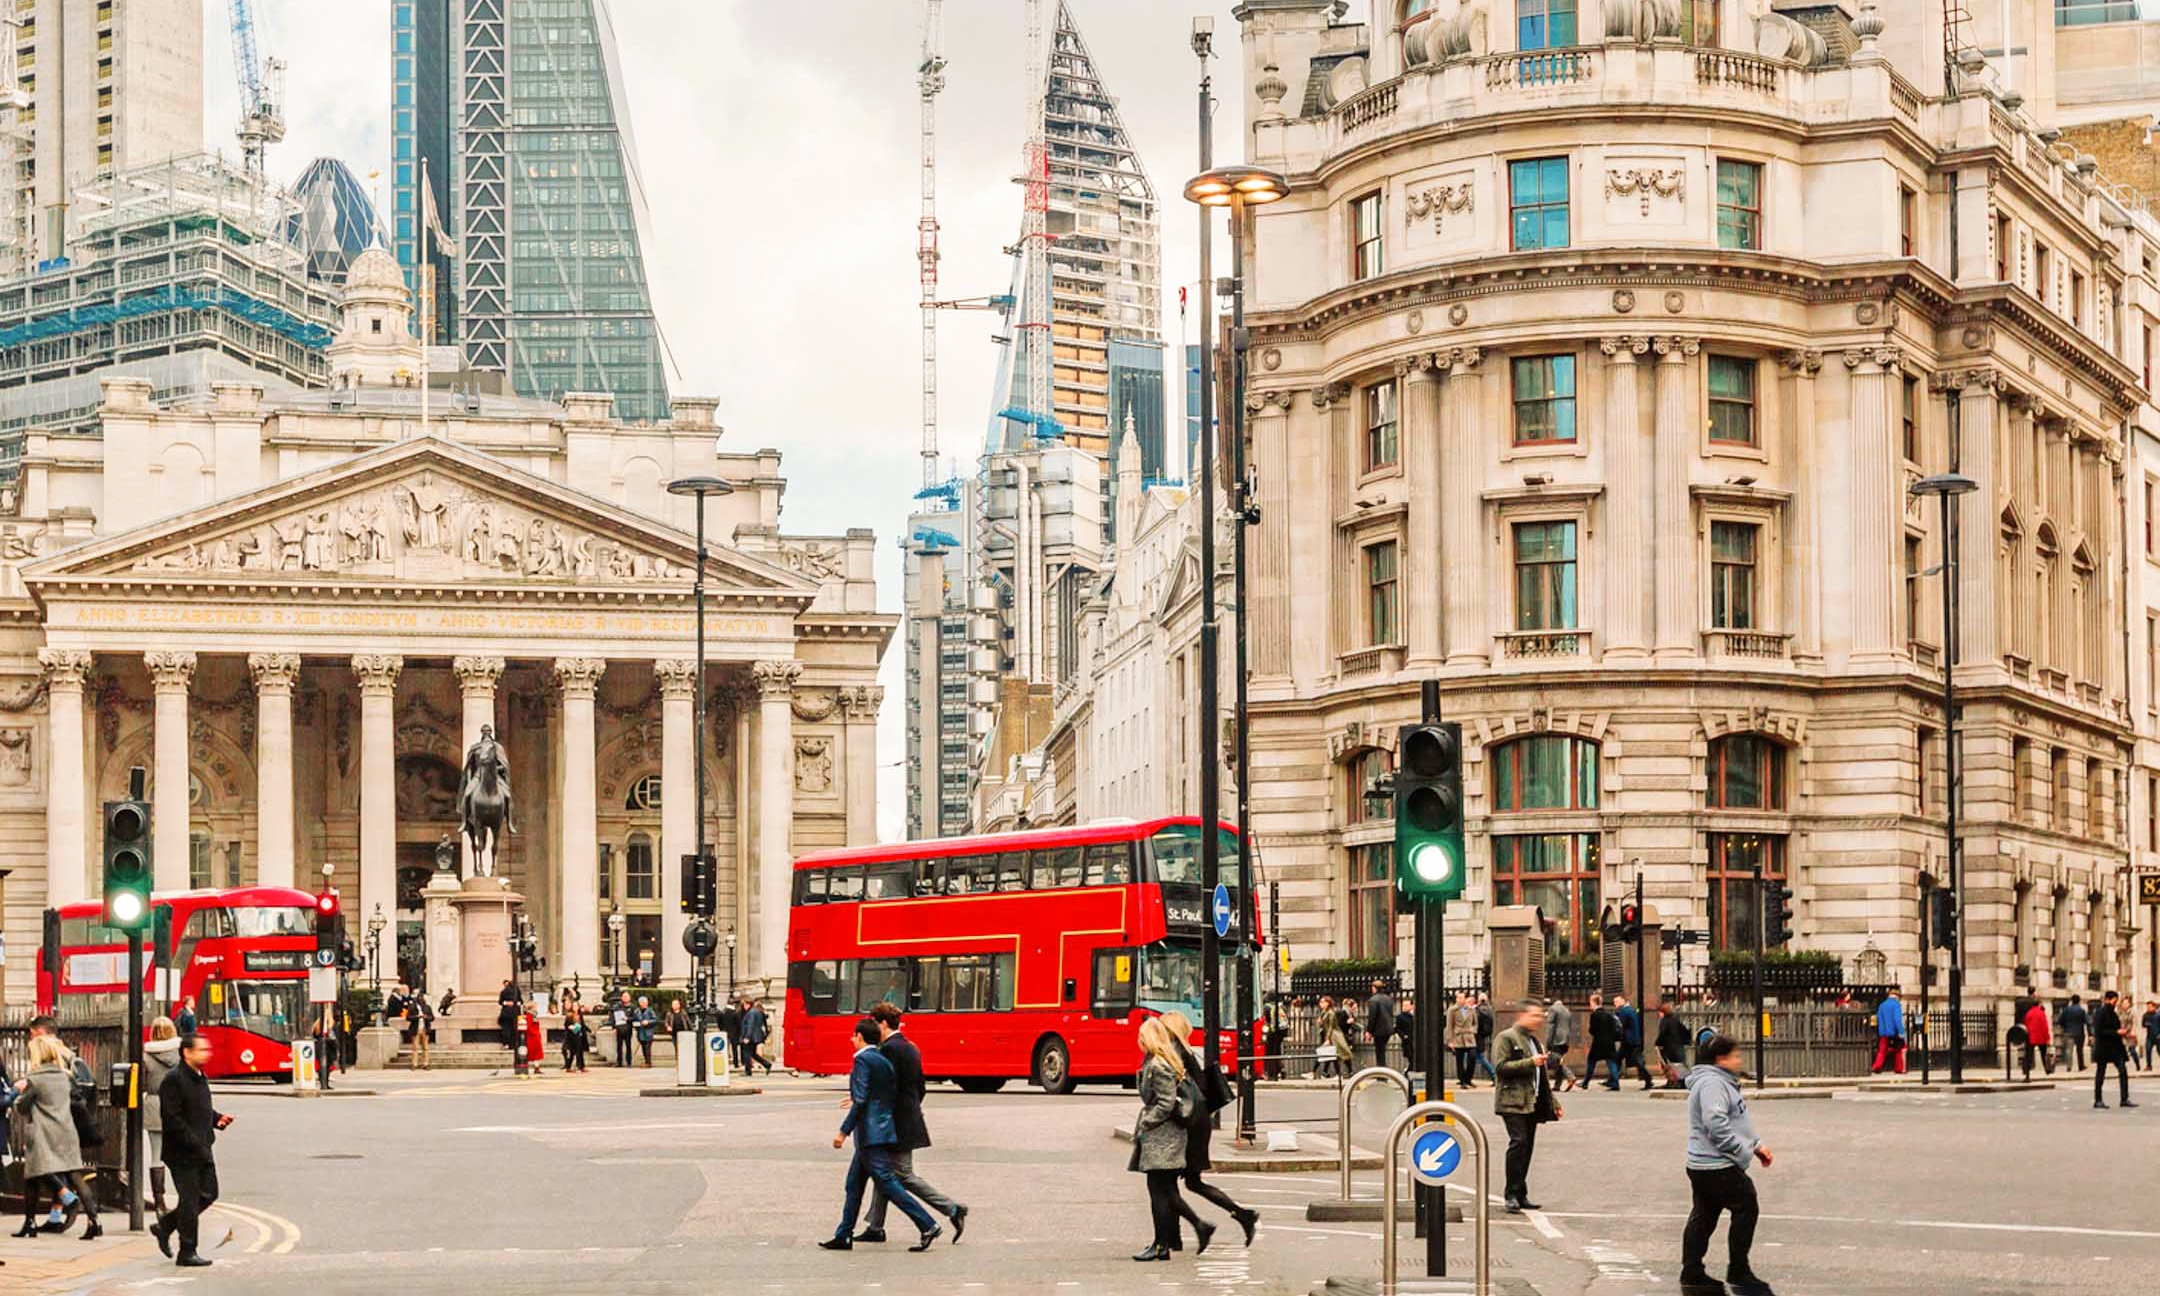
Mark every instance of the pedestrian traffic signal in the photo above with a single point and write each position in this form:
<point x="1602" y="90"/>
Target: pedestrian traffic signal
<point x="1777" y="914"/>
<point x="1429" y="856"/>
<point x="1942" y="918"/>
<point x="700" y="877"/>
<point x="127" y="864"/>
<point x="1630" y="924"/>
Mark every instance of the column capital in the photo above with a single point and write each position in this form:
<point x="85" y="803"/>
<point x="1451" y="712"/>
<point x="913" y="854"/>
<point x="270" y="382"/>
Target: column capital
<point x="1459" y="358"/>
<point x="171" y="672"/>
<point x="1624" y="348"/>
<point x="678" y="678"/>
<point x="65" y="667"/>
<point x="274" y="672"/>
<point x="863" y="702"/>
<point x="775" y="677"/>
<point x="1278" y="399"/>
<point x="1985" y="380"/>
<point x="1801" y="363"/>
<point x="477" y="673"/>
<point x="1415" y="366"/>
<point x="377" y="675"/>
<point x="579" y="676"/>
<point x="1672" y="350"/>
<point x="1327" y="394"/>
<point x="1880" y="357"/>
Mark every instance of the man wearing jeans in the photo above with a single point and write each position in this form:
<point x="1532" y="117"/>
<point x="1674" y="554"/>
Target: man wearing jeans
<point x="1721" y="1142"/>
<point x="1524" y="1098"/>
<point x="908" y="1121"/>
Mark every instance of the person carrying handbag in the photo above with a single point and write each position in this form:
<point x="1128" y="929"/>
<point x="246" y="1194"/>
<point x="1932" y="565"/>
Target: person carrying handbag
<point x="1200" y="1131"/>
<point x="1168" y="1100"/>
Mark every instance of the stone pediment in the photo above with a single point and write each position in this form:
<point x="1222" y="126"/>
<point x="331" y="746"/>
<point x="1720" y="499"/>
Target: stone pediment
<point x="423" y="512"/>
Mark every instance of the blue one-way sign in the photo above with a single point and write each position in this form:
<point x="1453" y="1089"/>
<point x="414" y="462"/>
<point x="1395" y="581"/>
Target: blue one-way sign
<point x="1222" y="909"/>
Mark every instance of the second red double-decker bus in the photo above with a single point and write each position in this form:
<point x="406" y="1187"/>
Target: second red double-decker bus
<point x="1028" y="955"/>
<point x="241" y="956"/>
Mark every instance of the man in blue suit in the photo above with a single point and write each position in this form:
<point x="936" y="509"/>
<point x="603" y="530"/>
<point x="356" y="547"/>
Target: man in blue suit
<point x="872" y="1087"/>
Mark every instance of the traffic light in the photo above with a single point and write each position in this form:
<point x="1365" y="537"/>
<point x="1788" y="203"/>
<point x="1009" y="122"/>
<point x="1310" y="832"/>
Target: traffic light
<point x="127" y="864"/>
<point x="326" y="929"/>
<point x="1629" y="928"/>
<point x="1942" y="918"/>
<point x="1429" y="858"/>
<point x="699" y="884"/>
<point x="1777" y="914"/>
<point x="348" y="957"/>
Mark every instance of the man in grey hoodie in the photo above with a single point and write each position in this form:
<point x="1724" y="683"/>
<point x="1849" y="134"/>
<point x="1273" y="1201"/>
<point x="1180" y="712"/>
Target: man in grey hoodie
<point x="1721" y="1141"/>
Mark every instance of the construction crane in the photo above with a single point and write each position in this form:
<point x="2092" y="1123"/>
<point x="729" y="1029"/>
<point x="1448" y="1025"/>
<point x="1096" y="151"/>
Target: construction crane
<point x="930" y="79"/>
<point x="262" y="91"/>
<point x="1035" y="232"/>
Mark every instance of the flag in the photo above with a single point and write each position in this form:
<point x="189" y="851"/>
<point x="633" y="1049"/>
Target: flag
<point x="433" y="219"/>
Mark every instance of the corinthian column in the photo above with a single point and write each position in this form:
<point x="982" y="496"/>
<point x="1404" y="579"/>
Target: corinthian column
<point x="580" y="678"/>
<point x="1420" y="573"/>
<point x="378" y="678"/>
<point x="1627" y="482"/>
<point x="66" y="878"/>
<point x="1268" y="464"/>
<point x="1678" y="433"/>
<point x="275" y="674"/>
<point x="170" y="675"/>
<point x="1876" y="507"/>
<point x="861" y="707"/>
<point x="678" y="798"/>
<point x="775" y="814"/>
<point x="476" y="710"/>
<point x="1468" y="631"/>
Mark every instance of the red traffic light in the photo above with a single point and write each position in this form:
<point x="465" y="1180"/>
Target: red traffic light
<point x="326" y="905"/>
<point x="1630" y="915"/>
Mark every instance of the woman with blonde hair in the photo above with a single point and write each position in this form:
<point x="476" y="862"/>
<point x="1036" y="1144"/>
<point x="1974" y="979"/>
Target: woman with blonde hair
<point x="1166" y="1106"/>
<point x="53" y="1156"/>
<point x="1214" y="1096"/>
<point x="160" y="1056"/>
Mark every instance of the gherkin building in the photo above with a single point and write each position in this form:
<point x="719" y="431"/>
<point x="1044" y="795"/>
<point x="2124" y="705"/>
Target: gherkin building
<point x="335" y="221"/>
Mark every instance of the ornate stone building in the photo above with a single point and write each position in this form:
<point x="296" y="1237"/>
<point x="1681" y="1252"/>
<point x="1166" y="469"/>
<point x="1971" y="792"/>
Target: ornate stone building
<point x="295" y="614"/>
<point x="1592" y="358"/>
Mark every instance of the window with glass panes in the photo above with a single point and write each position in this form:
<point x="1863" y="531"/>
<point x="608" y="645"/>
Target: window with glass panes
<point x="1699" y="25"/>
<point x="1381" y="422"/>
<point x="1732" y="400"/>
<point x="1538" y="203"/>
<point x="1739" y="197"/>
<point x="1732" y="575"/>
<point x="1545" y="575"/>
<point x="1544" y="24"/>
<point x="1366" y="255"/>
<point x="1381" y="586"/>
<point x="1359" y="772"/>
<point x="1747" y="772"/>
<point x="1559" y="873"/>
<point x="1910" y="399"/>
<point x="1544" y="772"/>
<point x="1372" y="900"/>
<point x="639" y="879"/>
<point x="1732" y="876"/>
<point x="1544" y="399"/>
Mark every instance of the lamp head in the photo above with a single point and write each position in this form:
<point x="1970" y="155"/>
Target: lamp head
<point x="699" y="486"/>
<point x="1237" y="184"/>
<point x="1203" y="34"/>
<point x="1944" y="484"/>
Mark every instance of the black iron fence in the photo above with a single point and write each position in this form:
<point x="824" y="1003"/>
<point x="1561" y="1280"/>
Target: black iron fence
<point x="98" y="1041"/>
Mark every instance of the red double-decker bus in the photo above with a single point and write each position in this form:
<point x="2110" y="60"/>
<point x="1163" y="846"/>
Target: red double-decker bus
<point x="1028" y="955"/>
<point x="242" y="955"/>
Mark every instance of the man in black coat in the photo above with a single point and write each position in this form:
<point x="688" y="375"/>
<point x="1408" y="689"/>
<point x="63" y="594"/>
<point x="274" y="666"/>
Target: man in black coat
<point x="908" y="1121"/>
<point x="2111" y="1046"/>
<point x="191" y="1124"/>
<point x="1604" y="1043"/>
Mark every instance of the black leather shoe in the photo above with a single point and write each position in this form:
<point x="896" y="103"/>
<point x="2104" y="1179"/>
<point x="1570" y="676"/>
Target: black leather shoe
<point x="1157" y="1251"/>
<point x="1527" y="1204"/>
<point x="1749" y="1286"/>
<point x="164" y="1238"/>
<point x="870" y="1235"/>
<point x="837" y="1244"/>
<point x="94" y="1232"/>
<point x="1249" y="1220"/>
<point x="29" y="1229"/>
<point x="959" y="1222"/>
<point x="2098" y="1105"/>
<point x="1513" y="1206"/>
<point x="192" y="1261"/>
<point x="1700" y="1285"/>
<point x="2126" y="1103"/>
<point x="930" y="1235"/>
<point x="1206" y="1234"/>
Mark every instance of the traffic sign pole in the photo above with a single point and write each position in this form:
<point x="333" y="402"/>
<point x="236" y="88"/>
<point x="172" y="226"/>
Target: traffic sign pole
<point x="1429" y="974"/>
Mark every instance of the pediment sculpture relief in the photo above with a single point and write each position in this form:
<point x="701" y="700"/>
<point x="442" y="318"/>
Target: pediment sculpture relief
<point x="423" y="525"/>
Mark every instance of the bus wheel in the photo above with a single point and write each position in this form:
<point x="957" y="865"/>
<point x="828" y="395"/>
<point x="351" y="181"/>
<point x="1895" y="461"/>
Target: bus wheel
<point x="1053" y="1066"/>
<point x="980" y="1084"/>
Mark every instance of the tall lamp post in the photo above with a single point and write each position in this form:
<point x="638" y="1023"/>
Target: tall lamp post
<point x="375" y="925"/>
<point x="615" y="924"/>
<point x="1946" y="487"/>
<point x="1238" y="187"/>
<point x="702" y="905"/>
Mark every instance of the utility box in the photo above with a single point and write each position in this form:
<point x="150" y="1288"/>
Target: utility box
<point x="1518" y="956"/>
<point x="1631" y="967"/>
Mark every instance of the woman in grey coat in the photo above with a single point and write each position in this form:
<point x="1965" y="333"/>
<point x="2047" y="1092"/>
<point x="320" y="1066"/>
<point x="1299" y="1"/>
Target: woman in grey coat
<point x="1159" y="1142"/>
<point x="53" y="1156"/>
<point x="160" y="1056"/>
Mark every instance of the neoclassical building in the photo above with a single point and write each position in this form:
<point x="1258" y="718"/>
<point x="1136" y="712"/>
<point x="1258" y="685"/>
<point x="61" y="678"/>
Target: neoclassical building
<point x="296" y="609"/>
<point x="1593" y="356"/>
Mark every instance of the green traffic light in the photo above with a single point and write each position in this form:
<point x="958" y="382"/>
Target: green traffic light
<point x="1429" y="851"/>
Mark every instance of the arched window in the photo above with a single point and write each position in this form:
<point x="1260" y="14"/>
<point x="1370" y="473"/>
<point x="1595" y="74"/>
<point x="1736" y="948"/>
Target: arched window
<point x="644" y="794"/>
<point x="1747" y="772"/>
<point x="1359" y="772"/>
<point x="1545" y="772"/>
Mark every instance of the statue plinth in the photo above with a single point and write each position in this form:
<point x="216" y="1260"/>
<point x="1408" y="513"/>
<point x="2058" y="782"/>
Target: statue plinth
<point x="485" y="907"/>
<point x="441" y="928"/>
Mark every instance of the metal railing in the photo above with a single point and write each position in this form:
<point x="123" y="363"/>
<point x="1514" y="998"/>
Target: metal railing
<point x="1342" y="1117"/>
<point x="1481" y="1240"/>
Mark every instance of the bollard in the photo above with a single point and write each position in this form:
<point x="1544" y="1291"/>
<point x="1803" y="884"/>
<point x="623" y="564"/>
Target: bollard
<point x="1342" y="1116"/>
<point x="1481" y="1241"/>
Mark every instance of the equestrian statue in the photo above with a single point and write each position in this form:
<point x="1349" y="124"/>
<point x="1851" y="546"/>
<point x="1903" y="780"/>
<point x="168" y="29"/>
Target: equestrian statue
<point x="484" y="800"/>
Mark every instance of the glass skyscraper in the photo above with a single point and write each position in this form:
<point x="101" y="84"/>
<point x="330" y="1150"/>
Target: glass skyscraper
<point x="517" y="108"/>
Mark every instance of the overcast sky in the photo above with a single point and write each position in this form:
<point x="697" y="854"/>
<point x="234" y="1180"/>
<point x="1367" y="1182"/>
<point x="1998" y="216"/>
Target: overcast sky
<point x="779" y="142"/>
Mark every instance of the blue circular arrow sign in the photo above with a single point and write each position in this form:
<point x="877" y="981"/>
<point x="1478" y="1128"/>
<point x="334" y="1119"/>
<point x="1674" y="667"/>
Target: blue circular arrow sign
<point x="1434" y="1154"/>
<point x="1222" y="909"/>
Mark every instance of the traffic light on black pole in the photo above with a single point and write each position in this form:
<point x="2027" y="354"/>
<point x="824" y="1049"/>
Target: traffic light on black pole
<point x="1942" y="918"/>
<point x="127" y="864"/>
<point x="1777" y="914"/>
<point x="1429" y="859"/>
<point x="700" y="878"/>
<point x="326" y="928"/>
<point x="1629" y="928"/>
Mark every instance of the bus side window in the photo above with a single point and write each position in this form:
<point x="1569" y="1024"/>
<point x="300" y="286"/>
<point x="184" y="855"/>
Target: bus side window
<point x="926" y="988"/>
<point x="929" y="876"/>
<point x="882" y="981"/>
<point x="823" y="995"/>
<point x="888" y="882"/>
<point x="967" y="983"/>
<point x="1004" y="969"/>
<point x="1109" y="864"/>
<point x="1113" y="995"/>
<point x="845" y="1001"/>
<point x="845" y="884"/>
<point x="810" y="887"/>
<point x="1058" y="867"/>
<point x="1012" y="870"/>
<point x="970" y="875"/>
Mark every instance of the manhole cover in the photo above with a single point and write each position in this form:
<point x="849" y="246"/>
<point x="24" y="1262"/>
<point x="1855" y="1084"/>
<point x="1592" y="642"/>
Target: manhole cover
<point x="336" y="1156"/>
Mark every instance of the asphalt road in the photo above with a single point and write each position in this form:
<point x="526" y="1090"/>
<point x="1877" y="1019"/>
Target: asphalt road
<point x="461" y="1184"/>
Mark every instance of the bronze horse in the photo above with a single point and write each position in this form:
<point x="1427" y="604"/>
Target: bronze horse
<point x="484" y="801"/>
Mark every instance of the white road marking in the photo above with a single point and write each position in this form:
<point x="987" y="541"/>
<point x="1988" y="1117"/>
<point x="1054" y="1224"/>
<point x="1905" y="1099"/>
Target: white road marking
<point x="2027" y="1228"/>
<point x="1293" y="1228"/>
<point x="1545" y="1226"/>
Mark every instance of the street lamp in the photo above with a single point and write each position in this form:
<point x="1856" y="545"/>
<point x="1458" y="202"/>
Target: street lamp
<point x="1238" y="187"/>
<point x="615" y="922"/>
<point x="375" y="925"/>
<point x="1947" y="487"/>
<point x="731" y="964"/>
<point x="699" y="489"/>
